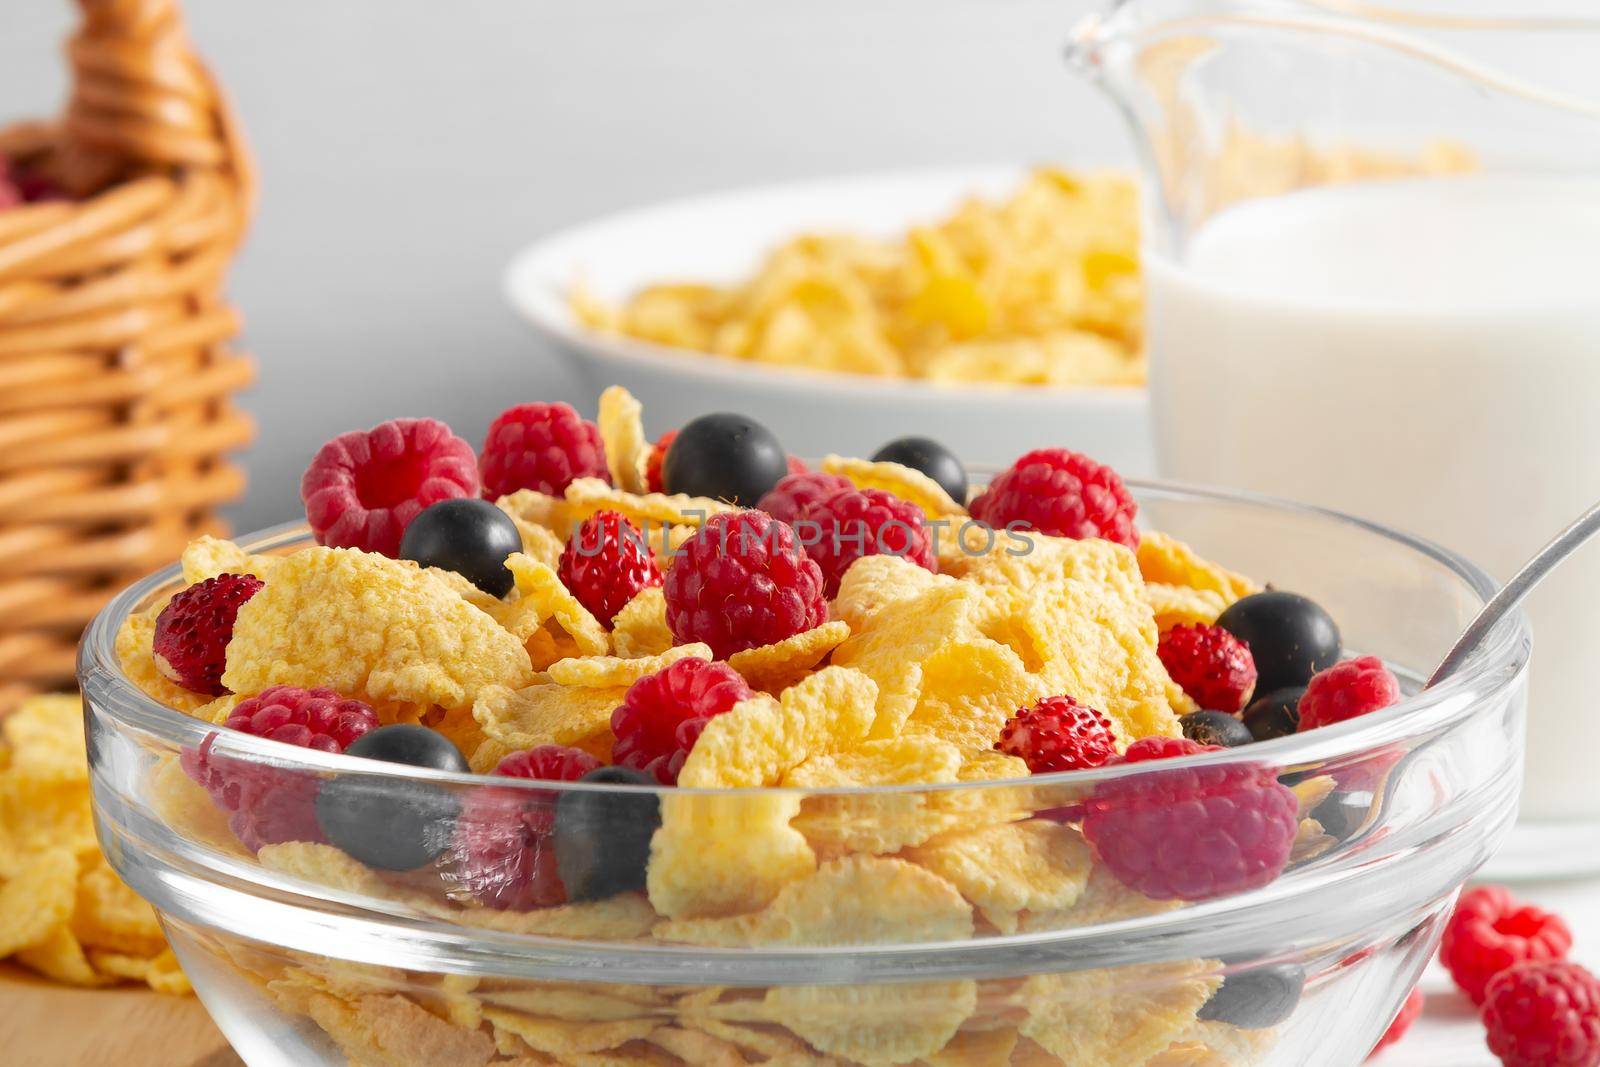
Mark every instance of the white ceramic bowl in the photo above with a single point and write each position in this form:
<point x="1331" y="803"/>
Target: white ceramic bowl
<point x="721" y="238"/>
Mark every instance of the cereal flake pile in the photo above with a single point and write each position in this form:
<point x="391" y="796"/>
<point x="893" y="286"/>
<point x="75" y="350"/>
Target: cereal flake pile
<point x="702" y="613"/>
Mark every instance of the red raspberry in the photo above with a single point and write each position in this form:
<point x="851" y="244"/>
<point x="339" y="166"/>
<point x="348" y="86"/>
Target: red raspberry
<point x="1193" y="833"/>
<point x="363" y="488"/>
<point x="1214" y="667"/>
<point x="271" y="805"/>
<point x="1544" y="1014"/>
<point x="605" y="563"/>
<point x="658" y="456"/>
<point x="192" y="632"/>
<point x="662" y="714"/>
<point x="504" y="851"/>
<point x="743" y="581"/>
<point x="851" y="523"/>
<point x="796" y="492"/>
<point x="797" y="465"/>
<point x="544" y="447"/>
<point x="1492" y="930"/>
<point x="1061" y="493"/>
<point x="1408" y="1014"/>
<point x="1058" y="734"/>
<point x="1346" y="690"/>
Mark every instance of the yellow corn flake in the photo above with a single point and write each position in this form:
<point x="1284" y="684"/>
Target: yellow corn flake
<point x="563" y="1037"/>
<point x="1104" y="900"/>
<point x="878" y="823"/>
<point x="593" y="1003"/>
<point x="777" y="666"/>
<point x="1007" y="869"/>
<point x="622" y="433"/>
<point x="528" y="508"/>
<point x="624" y="917"/>
<point x="183" y="805"/>
<point x="640" y="628"/>
<point x="907" y="483"/>
<point x="968" y="691"/>
<point x="873" y="583"/>
<point x="975" y="1048"/>
<point x="758" y="741"/>
<point x="585" y="496"/>
<point x="37" y="899"/>
<point x="134" y="652"/>
<point x="1120" y="1015"/>
<point x="1168" y="561"/>
<point x="698" y="1047"/>
<point x="206" y="557"/>
<point x="539" y="599"/>
<point x="724" y="855"/>
<point x="1070" y="357"/>
<point x="44" y="739"/>
<point x="856" y="900"/>
<point x="1175" y="605"/>
<point x="546" y="714"/>
<point x="1311" y="792"/>
<point x="368" y="627"/>
<point x="392" y="1030"/>
<point x="603" y="672"/>
<point x="60" y="957"/>
<point x="1310" y="841"/>
<point x="107" y="915"/>
<point x="666" y="543"/>
<point x="877" y="1025"/>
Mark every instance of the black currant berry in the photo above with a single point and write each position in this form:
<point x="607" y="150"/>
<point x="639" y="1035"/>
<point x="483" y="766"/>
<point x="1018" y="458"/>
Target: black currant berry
<point x="386" y="822"/>
<point x="1216" y="728"/>
<point x="1342" y="814"/>
<point x="724" y="457"/>
<point x="603" y="838"/>
<point x="471" y="537"/>
<point x="1258" y="998"/>
<point x="931" y="458"/>
<point x="1274" y="714"/>
<point x="1290" y="638"/>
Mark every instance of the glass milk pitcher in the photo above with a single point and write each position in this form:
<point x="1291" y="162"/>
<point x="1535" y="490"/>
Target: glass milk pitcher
<point x="1373" y="257"/>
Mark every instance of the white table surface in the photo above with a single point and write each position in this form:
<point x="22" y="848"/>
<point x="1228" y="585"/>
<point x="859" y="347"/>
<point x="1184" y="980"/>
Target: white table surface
<point x="1449" y="1034"/>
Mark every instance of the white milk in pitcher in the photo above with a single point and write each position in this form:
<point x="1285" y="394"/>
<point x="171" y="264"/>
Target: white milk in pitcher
<point x="1425" y="353"/>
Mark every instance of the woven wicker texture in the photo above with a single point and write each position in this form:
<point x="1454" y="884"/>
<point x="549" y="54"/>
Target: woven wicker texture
<point x="115" y="369"/>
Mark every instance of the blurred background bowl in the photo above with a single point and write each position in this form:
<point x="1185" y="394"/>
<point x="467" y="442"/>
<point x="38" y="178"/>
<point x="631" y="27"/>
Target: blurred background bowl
<point x="722" y="237"/>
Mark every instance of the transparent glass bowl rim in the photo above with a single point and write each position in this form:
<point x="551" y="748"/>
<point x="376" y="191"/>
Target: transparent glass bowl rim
<point x="1497" y="664"/>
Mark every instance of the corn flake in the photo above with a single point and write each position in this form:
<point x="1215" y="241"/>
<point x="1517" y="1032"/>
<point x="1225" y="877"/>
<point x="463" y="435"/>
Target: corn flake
<point x="1121" y="1015"/>
<point x="777" y="666"/>
<point x="1006" y="869"/>
<point x="876" y="1025"/>
<point x="546" y="714"/>
<point x="539" y="600"/>
<point x="585" y="496"/>
<point x="856" y="900"/>
<point x="622" y="433"/>
<point x="640" y="628"/>
<point x="368" y="627"/>
<point x="839" y="823"/>
<point x="907" y="483"/>
<point x="602" y="672"/>
<point x="1168" y="561"/>
<point x="207" y="557"/>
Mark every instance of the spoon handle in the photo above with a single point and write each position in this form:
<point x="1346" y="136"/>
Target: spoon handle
<point x="1516" y="590"/>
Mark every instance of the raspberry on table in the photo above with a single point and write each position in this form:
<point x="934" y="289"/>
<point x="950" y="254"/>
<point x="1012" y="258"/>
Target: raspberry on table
<point x="653" y="461"/>
<point x="795" y="492"/>
<point x="543" y="447"/>
<point x="1409" y="1012"/>
<point x="190" y="645"/>
<point x="1544" y="1014"/>
<point x="363" y="488"/>
<point x="1058" y="734"/>
<point x="504" y="845"/>
<point x="606" y="562"/>
<point x="1061" y="493"/>
<point x="741" y="582"/>
<point x="1211" y="665"/>
<point x="1191" y="833"/>
<point x="270" y="805"/>
<point x="662" y="714"/>
<point x="1347" y="690"/>
<point x="1490" y="931"/>
<point x="850" y="523"/>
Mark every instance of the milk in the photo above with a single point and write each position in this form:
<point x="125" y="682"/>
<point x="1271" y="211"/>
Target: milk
<point x="1425" y="353"/>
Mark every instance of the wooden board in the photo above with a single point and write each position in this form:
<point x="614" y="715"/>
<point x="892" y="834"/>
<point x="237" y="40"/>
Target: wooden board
<point x="47" y="1025"/>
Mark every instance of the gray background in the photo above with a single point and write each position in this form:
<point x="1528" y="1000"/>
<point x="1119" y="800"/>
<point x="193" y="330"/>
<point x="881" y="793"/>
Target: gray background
<point x="407" y="148"/>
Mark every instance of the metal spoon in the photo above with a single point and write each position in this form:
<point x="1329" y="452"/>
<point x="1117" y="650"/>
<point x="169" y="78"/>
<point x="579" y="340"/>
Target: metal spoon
<point x="1515" y="591"/>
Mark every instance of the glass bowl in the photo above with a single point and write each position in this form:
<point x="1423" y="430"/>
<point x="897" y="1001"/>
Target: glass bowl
<point x="1043" y="956"/>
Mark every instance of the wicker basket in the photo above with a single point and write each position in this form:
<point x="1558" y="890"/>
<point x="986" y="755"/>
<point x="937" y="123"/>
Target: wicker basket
<point x="115" y="369"/>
